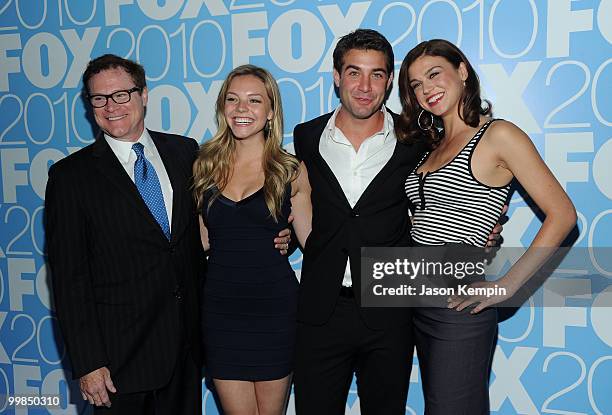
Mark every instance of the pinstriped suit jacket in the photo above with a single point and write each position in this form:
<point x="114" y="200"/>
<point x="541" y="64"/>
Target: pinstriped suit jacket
<point x="125" y="296"/>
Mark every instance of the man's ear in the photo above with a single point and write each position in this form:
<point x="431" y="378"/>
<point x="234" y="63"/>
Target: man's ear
<point x="145" y="95"/>
<point x="390" y="81"/>
<point x="336" y="78"/>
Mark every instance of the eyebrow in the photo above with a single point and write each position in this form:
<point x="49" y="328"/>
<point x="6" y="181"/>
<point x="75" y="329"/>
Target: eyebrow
<point x="360" y="69"/>
<point x="426" y="72"/>
<point x="114" y="92"/>
<point x="250" y="95"/>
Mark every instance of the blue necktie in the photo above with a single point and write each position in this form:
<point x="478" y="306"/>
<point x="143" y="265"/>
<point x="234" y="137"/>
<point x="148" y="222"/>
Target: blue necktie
<point x="148" y="185"/>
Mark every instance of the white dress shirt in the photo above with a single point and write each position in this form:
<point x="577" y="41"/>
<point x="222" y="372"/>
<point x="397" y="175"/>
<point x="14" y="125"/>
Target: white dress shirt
<point x="354" y="170"/>
<point x="127" y="158"/>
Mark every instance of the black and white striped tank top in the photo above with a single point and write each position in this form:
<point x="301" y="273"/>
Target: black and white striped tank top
<point x="450" y="204"/>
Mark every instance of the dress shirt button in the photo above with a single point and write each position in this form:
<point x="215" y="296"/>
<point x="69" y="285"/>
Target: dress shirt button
<point x="178" y="294"/>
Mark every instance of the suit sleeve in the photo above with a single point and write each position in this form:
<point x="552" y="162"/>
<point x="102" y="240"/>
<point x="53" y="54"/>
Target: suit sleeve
<point x="202" y="263"/>
<point x="299" y="153"/>
<point x="297" y="142"/>
<point x="68" y="259"/>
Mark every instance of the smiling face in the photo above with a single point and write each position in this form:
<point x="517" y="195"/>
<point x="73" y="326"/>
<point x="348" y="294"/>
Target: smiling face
<point x="437" y="84"/>
<point x="247" y="107"/>
<point x="362" y="82"/>
<point x="124" y="122"/>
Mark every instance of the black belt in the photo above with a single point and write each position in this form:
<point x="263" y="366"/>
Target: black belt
<point x="347" y="292"/>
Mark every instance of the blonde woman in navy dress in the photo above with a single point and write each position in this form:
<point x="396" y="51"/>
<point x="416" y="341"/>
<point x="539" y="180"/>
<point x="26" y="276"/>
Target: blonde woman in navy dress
<point x="246" y="187"/>
<point x="458" y="191"/>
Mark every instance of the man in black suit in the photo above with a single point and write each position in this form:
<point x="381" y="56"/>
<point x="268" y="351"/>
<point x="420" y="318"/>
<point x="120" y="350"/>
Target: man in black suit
<point x="125" y="254"/>
<point x="357" y="171"/>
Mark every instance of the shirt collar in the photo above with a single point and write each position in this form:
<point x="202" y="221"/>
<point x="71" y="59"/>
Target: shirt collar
<point x="388" y="126"/>
<point x="330" y="127"/>
<point x="123" y="149"/>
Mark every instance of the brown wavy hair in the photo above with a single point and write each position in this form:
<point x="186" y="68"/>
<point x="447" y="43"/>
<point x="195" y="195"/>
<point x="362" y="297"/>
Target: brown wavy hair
<point x="213" y="167"/>
<point x="469" y="110"/>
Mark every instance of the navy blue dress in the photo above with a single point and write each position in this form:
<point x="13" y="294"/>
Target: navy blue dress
<point x="250" y="293"/>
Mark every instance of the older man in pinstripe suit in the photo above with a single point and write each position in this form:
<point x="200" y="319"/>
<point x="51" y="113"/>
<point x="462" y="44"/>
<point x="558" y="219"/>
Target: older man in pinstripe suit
<point x="124" y="252"/>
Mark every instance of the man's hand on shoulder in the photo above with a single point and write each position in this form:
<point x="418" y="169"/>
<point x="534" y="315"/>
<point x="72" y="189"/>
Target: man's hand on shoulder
<point x="94" y="386"/>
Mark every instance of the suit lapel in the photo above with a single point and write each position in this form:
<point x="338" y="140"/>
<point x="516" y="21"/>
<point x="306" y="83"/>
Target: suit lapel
<point x="108" y="165"/>
<point x="320" y="163"/>
<point x="401" y="154"/>
<point x="177" y="180"/>
<point x="383" y="174"/>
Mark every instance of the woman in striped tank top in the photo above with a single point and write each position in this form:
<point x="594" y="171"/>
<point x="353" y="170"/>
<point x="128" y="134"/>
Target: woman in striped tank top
<point x="458" y="191"/>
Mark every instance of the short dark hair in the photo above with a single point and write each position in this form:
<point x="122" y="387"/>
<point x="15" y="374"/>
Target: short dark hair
<point x="470" y="110"/>
<point x="363" y="39"/>
<point x="110" y="61"/>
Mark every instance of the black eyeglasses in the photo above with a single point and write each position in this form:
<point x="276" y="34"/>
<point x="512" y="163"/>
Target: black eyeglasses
<point x="120" y="97"/>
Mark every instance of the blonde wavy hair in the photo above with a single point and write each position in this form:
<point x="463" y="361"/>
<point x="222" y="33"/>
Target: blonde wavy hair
<point x="213" y="167"/>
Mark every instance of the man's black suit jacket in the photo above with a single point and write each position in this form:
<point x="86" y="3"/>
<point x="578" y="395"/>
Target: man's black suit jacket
<point x="125" y="296"/>
<point x="379" y="218"/>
